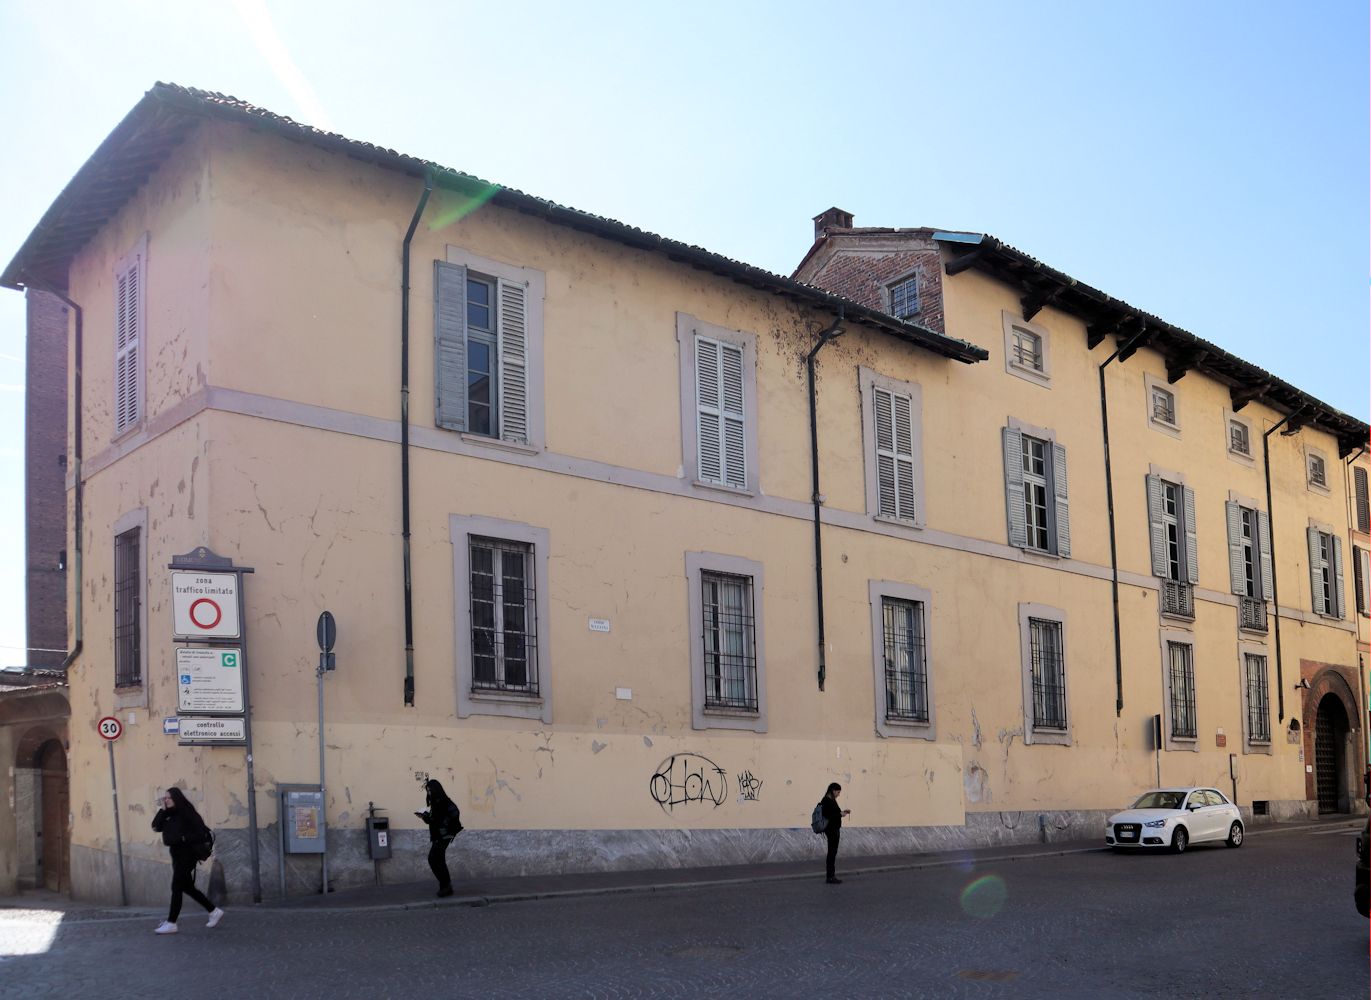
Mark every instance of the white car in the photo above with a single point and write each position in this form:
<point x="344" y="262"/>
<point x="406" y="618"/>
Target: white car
<point x="1175" y="818"/>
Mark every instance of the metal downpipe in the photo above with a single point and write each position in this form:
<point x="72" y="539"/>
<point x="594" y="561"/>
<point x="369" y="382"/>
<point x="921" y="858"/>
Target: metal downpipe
<point x="1275" y="576"/>
<point x="829" y="334"/>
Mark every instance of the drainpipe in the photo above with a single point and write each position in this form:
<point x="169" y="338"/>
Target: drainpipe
<point x="404" y="437"/>
<point x="1275" y="576"/>
<point x="832" y="332"/>
<point x="1123" y="352"/>
<point x="78" y="505"/>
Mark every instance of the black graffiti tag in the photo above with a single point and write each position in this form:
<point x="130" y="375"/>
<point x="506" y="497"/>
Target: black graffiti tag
<point x="688" y="777"/>
<point x="749" y="787"/>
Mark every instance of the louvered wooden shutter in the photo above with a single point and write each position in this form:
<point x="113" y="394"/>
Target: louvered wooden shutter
<point x="450" y="345"/>
<point x="513" y="333"/>
<point x="1315" y="579"/>
<point x="1359" y="577"/>
<point x="1264" y="533"/>
<point x="894" y="454"/>
<point x="1192" y="550"/>
<point x="1156" y="527"/>
<point x="1363" y="502"/>
<point x="1237" y="576"/>
<point x="1339" y="601"/>
<point x="1013" y="488"/>
<point x="127" y="346"/>
<point x="719" y="399"/>
<point x="1063" y="512"/>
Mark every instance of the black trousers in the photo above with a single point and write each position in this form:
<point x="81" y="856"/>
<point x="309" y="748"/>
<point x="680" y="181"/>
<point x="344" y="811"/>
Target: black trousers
<point x="183" y="881"/>
<point x="833" y="837"/>
<point x="437" y="860"/>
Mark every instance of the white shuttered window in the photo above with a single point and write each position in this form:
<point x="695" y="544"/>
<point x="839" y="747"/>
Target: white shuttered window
<point x="894" y="454"/>
<point x="128" y="342"/>
<point x="720" y="419"/>
<point x="1036" y="495"/>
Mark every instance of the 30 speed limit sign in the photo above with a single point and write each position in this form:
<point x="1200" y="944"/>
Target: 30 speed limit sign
<point x="110" y="728"/>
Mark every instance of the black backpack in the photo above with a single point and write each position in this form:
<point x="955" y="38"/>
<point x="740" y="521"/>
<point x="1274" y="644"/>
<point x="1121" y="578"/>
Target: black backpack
<point x="817" y="822"/>
<point x="205" y="846"/>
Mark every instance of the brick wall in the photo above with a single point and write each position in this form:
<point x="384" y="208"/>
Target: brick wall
<point x="861" y="276"/>
<point x="45" y="492"/>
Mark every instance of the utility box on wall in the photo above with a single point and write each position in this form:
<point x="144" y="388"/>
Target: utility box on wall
<point x="302" y="819"/>
<point x="378" y="837"/>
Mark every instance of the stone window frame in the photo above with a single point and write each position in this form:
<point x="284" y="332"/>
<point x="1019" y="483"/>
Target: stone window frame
<point x="1229" y="418"/>
<point x="135" y="695"/>
<point x="1152" y="382"/>
<point x="687" y="328"/>
<point x="1249" y="746"/>
<point x="1059" y="530"/>
<point x="868" y="380"/>
<point x="1008" y="322"/>
<point x="696" y="565"/>
<point x="1031" y="733"/>
<point x="1166" y="636"/>
<point x="515" y="706"/>
<point x="877" y="590"/>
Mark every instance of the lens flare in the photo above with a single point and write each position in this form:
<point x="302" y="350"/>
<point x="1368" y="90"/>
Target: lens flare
<point x="458" y="204"/>
<point x="984" y="897"/>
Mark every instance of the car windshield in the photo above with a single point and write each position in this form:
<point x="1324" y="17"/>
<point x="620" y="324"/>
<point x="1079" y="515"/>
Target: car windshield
<point x="1160" y="800"/>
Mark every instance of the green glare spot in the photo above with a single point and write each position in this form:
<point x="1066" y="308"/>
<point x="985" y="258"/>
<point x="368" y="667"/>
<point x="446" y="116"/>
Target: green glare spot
<point x="984" y="897"/>
<point x="457" y="205"/>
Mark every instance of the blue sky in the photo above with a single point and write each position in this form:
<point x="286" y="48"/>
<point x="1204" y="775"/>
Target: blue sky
<point x="1205" y="162"/>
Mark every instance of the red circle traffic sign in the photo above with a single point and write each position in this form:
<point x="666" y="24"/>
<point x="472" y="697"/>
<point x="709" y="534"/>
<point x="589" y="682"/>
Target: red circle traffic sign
<point x="110" y="728"/>
<point x="214" y="610"/>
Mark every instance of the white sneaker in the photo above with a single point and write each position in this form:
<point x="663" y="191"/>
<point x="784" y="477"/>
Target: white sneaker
<point x="215" y="916"/>
<point x="165" y="927"/>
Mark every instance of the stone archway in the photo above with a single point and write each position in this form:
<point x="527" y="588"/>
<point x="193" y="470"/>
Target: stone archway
<point x="42" y="810"/>
<point x="1332" y="738"/>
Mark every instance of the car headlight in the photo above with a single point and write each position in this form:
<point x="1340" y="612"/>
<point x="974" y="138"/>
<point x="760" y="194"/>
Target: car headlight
<point x="1155" y="822"/>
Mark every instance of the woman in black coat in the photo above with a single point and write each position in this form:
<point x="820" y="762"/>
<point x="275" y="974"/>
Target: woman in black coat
<point x="444" y="822"/>
<point x="183" y="831"/>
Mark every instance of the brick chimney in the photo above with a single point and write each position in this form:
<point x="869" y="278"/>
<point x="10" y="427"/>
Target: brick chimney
<point x="833" y="218"/>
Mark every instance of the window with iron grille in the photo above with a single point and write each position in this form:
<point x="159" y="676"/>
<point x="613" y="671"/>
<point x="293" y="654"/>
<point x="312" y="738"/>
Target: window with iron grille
<point x="906" y="672"/>
<point x="1181" y="676"/>
<point x="1027" y="349"/>
<point x="1163" y="406"/>
<point x="1258" y="710"/>
<point x="1239" y="441"/>
<point x="904" y="298"/>
<point x="728" y="640"/>
<point x="128" y="652"/>
<point x="504" y="640"/>
<point x="1049" y="674"/>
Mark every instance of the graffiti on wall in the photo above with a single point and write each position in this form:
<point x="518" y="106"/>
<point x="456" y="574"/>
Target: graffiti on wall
<point x="749" y="787"/>
<point x="688" y="779"/>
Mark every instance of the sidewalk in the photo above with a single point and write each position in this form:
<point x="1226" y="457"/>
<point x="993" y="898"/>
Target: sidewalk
<point x="483" y="892"/>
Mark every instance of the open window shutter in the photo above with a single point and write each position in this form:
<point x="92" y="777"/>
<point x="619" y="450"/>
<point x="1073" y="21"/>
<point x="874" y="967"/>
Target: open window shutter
<point x="707" y="410"/>
<point x="735" y="450"/>
<point x="450" y="345"/>
<point x="1155" y="526"/>
<point x="1237" y="578"/>
<point x="1013" y="488"/>
<point x="1315" y="581"/>
<point x="885" y="453"/>
<point x="1363" y="502"/>
<point x="1264" y="534"/>
<point x="1192" y="553"/>
<point x="1063" y="513"/>
<point x="1339" y="602"/>
<point x="904" y="458"/>
<point x="513" y="333"/>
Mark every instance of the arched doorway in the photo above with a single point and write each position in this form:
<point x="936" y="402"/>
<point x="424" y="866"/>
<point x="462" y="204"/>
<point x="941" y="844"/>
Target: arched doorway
<point x="52" y="815"/>
<point x="1330" y="755"/>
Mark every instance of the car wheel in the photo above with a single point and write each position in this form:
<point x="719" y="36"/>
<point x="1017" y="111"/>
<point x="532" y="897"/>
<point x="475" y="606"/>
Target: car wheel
<point x="1235" y="835"/>
<point x="1180" y="840"/>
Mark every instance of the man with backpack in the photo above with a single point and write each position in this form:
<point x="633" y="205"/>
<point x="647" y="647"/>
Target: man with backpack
<point x="828" y="820"/>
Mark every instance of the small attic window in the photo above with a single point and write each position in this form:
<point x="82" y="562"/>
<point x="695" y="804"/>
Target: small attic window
<point x="904" y="298"/>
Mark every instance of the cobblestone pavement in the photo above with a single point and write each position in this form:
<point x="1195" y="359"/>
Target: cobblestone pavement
<point x="1272" y="919"/>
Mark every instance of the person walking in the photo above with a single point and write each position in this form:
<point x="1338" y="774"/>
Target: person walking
<point x="833" y="827"/>
<point x="444" y="821"/>
<point x="184" y="833"/>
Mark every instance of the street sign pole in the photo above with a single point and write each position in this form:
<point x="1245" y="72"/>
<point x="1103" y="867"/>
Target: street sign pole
<point x="326" y="631"/>
<point x="110" y="729"/>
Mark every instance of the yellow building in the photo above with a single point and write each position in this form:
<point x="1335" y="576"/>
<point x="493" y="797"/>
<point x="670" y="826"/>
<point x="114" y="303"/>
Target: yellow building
<point x="635" y="547"/>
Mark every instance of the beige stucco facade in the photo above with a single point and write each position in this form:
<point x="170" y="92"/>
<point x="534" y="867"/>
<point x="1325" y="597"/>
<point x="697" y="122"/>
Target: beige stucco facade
<point x="270" y="434"/>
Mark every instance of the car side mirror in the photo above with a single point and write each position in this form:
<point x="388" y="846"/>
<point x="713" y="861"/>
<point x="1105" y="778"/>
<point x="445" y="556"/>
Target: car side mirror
<point x="1194" y="805"/>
